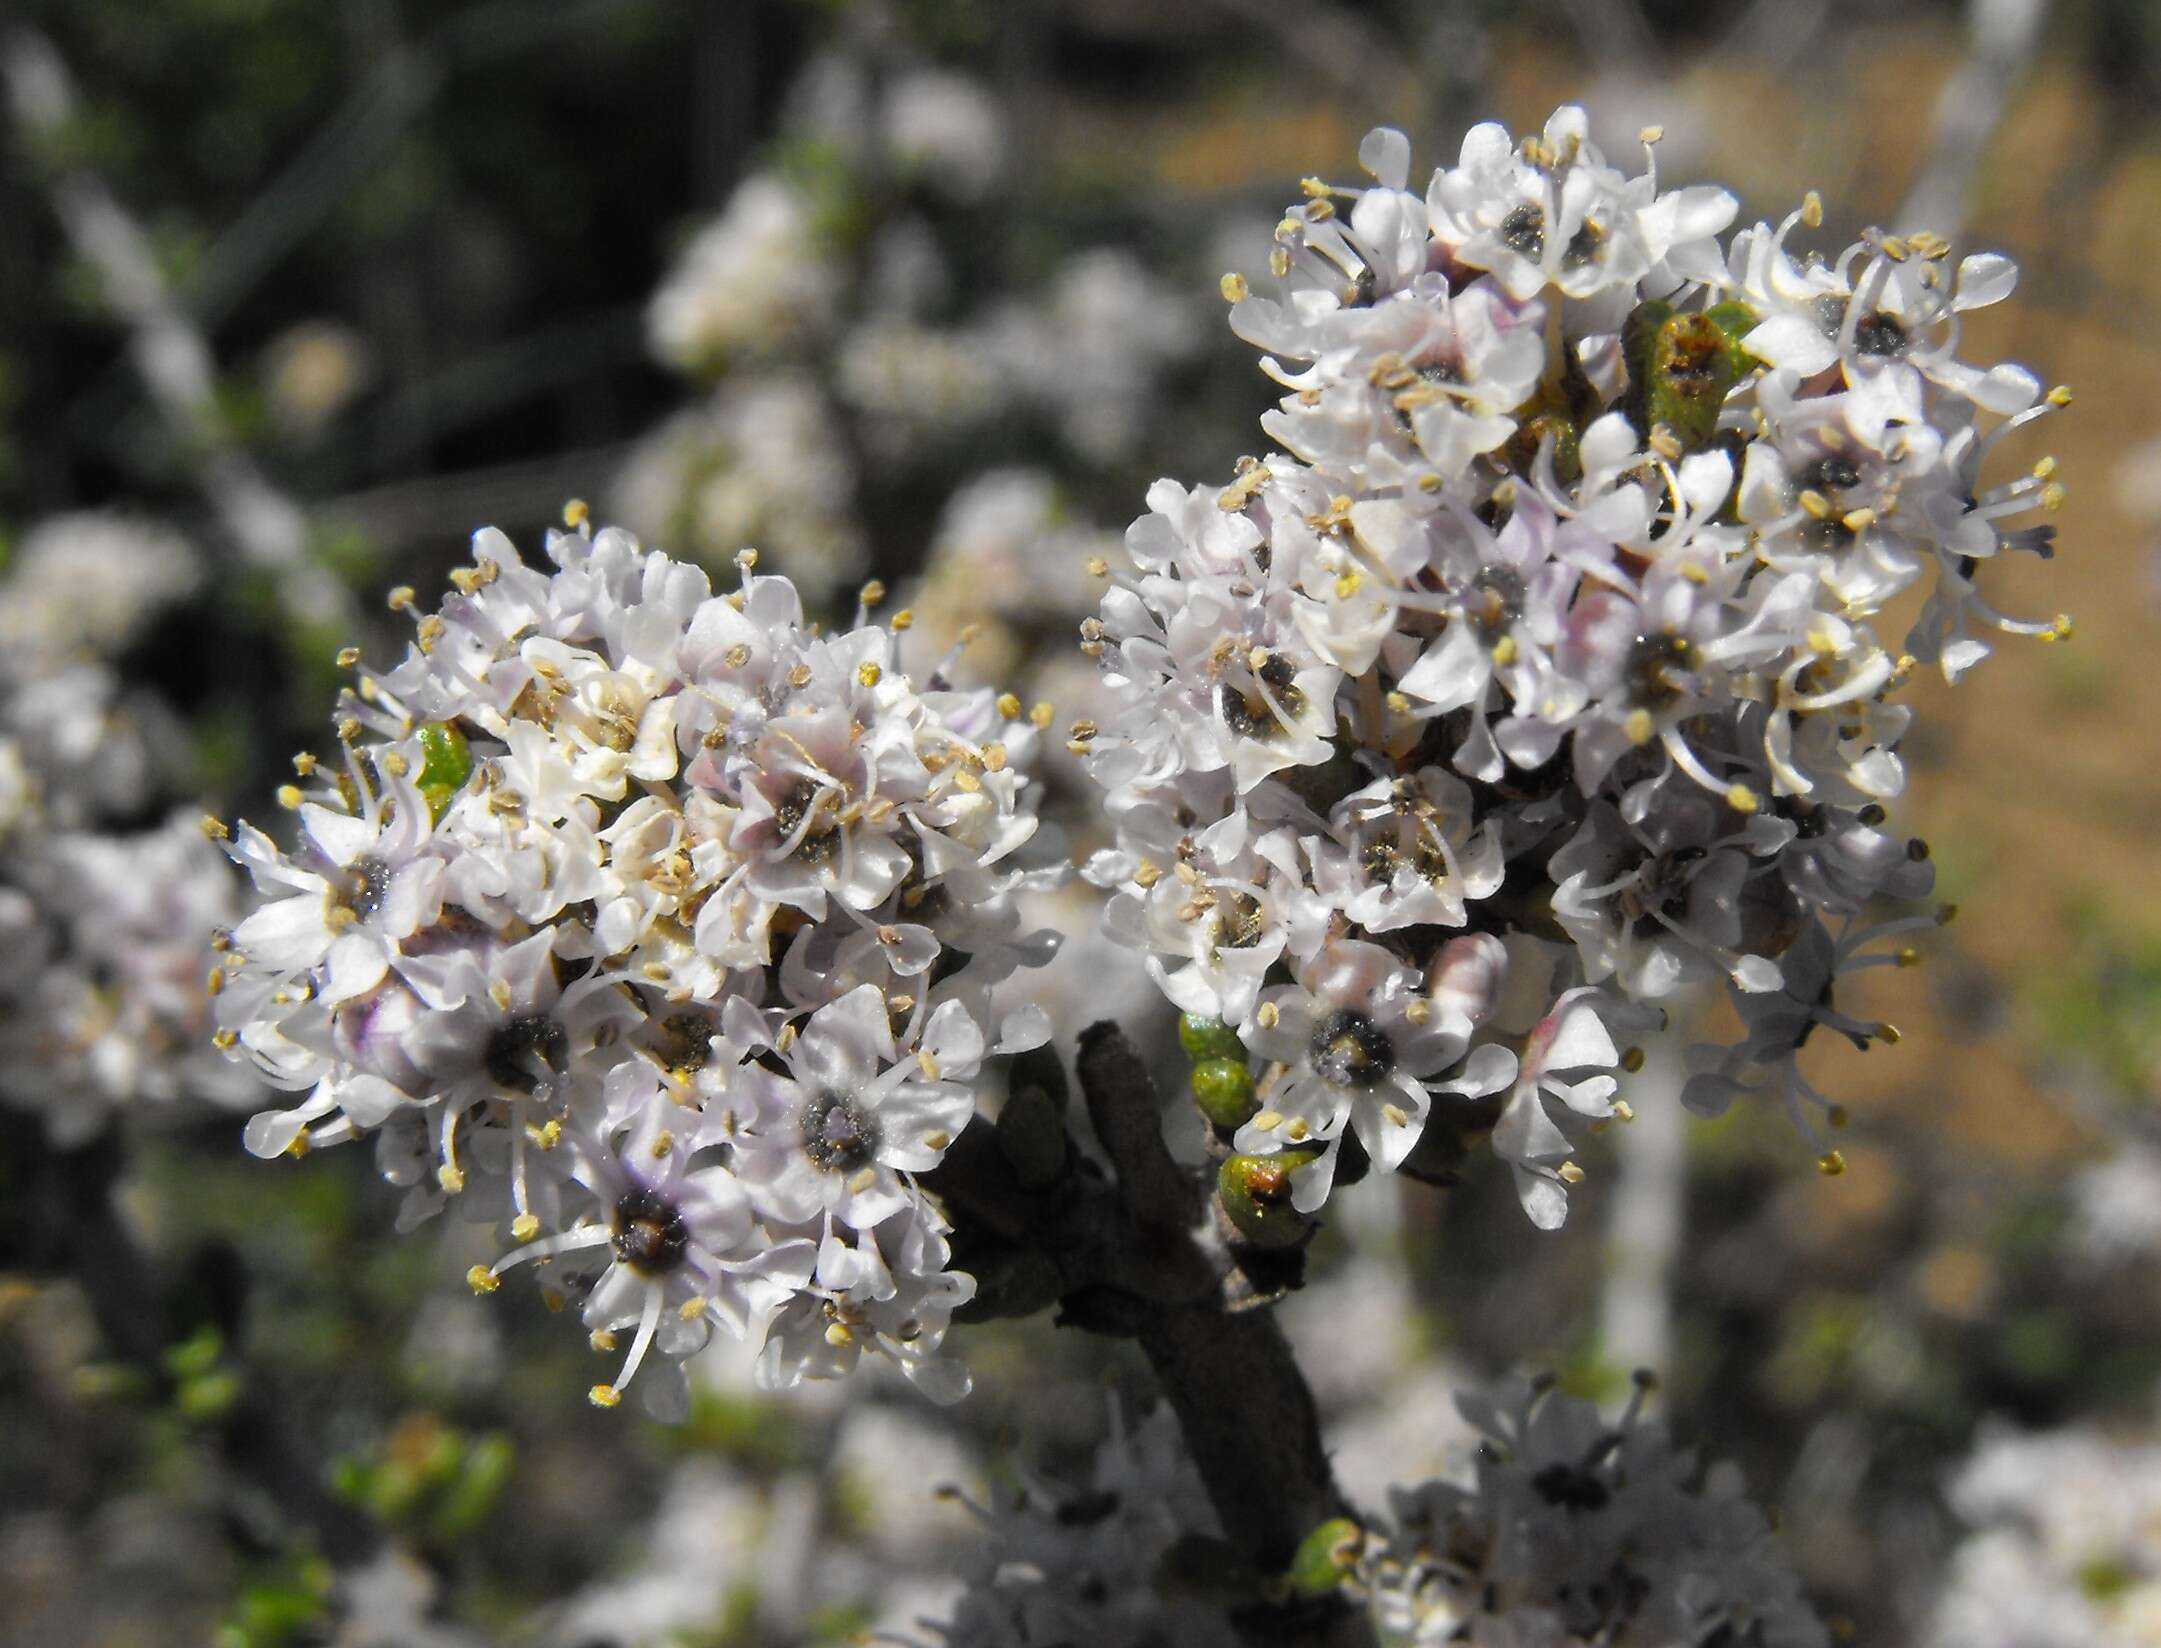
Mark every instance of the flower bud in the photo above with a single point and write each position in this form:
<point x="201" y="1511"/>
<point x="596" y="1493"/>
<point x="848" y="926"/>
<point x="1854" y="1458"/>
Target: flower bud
<point x="1223" y="1088"/>
<point x="1208" y="1039"/>
<point x="1325" y="1557"/>
<point x="1256" y="1193"/>
<point x="445" y="764"/>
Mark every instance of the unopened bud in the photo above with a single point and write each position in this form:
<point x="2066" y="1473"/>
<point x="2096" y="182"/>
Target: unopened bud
<point x="1223" y="1088"/>
<point x="1256" y="1193"/>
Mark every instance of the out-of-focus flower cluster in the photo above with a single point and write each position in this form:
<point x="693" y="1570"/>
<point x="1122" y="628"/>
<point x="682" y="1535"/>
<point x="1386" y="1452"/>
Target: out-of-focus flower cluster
<point x="661" y="927"/>
<point x="1097" y="1563"/>
<point x="101" y="985"/>
<point x="827" y="310"/>
<point x="1536" y="678"/>
<point x="1574" y="1531"/>
<point x="1569" y="1531"/>
<point x="2065" y="1547"/>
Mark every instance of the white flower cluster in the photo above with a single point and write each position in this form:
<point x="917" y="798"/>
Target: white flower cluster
<point x="2066" y="1544"/>
<point x="1575" y="1532"/>
<point x="662" y="927"/>
<point x="101" y="971"/>
<point x="1535" y="679"/>
<point x="1089" y="1565"/>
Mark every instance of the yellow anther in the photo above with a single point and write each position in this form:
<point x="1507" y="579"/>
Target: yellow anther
<point x="1909" y="957"/>
<point x="839" y="1335"/>
<point x="1831" y="1164"/>
<point x="401" y="599"/>
<point x="1651" y="134"/>
<point x="1742" y="799"/>
<point x="1632" y="1060"/>
<point x="868" y="673"/>
<point x="1623" y="1110"/>
<point x="451" y="1177"/>
<point x="902" y="620"/>
<point x="927" y="1064"/>
<point x="604" y="1396"/>
<point x="2060" y="395"/>
<point x="2044" y="469"/>
<point x="225" y="1040"/>
<point x="1888" y="1035"/>
<point x="1268" y="1120"/>
<point x="1639" y="727"/>
<point x="1858" y="520"/>
<point x="1816" y="504"/>
<point x="1812" y="209"/>
<point x="215" y="983"/>
<point x="1234" y="288"/>
<point x="289" y="796"/>
<point x="1295" y="1129"/>
<point x="1569" y="1173"/>
<point x="1349" y="583"/>
<point x="1009" y="706"/>
<point x="348" y="657"/>
<point x="602" y="1340"/>
<point x="482" y="1280"/>
<point x="524" y="1228"/>
<point x="1504" y="654"/>
<point x="1395" y="1116"/>
<point x="1098" y="567"/>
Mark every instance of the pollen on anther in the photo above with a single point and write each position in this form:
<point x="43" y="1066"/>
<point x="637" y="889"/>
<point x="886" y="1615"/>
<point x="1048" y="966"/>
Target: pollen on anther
<point x="604" y="1396"/>
<point x="524" y="1228"/>
<point x="482" y="1280"/>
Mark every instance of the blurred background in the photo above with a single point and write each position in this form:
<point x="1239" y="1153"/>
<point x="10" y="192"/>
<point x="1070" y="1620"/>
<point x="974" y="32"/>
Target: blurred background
<point x="296" y="293"/>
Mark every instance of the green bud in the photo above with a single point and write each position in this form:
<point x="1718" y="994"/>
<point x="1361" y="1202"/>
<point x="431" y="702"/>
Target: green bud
<point x="1256" y="1193"/>
<point x="1691" y="369"/>
<point x="1535" y="431"/>
<point x="446" y="762"/>
<point x="1031" y="1135"/>
<point x="1639" y="338"/>
<point x="1223" y="1088"/>
<point x="1325" y="1557"/>
<point x="1208" y="1038"/>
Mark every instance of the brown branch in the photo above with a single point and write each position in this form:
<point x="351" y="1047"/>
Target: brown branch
<point x="1248" y="1416"/>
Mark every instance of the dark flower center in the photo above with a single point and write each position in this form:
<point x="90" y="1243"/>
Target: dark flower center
<point x="1831" y="473"/>
<point x="1582" y="246"/>
<point x="1657" y="672"/>
<point x="1494" y="600"/>
<point x="1571" y="1487"/>
<point x="650" y="1235"/>
<point x="527" y="1052"/>
<point x="1251" y="715"/>
<point x="1523" y="231"/>
<point x="1880" y="334"/>
<point x="837" y="1136"/>
<point x="1350" y="1050"/>
<point x="363" y="884"/>
<point x="684" y="1039"/>
<point x="821" y="840"/>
